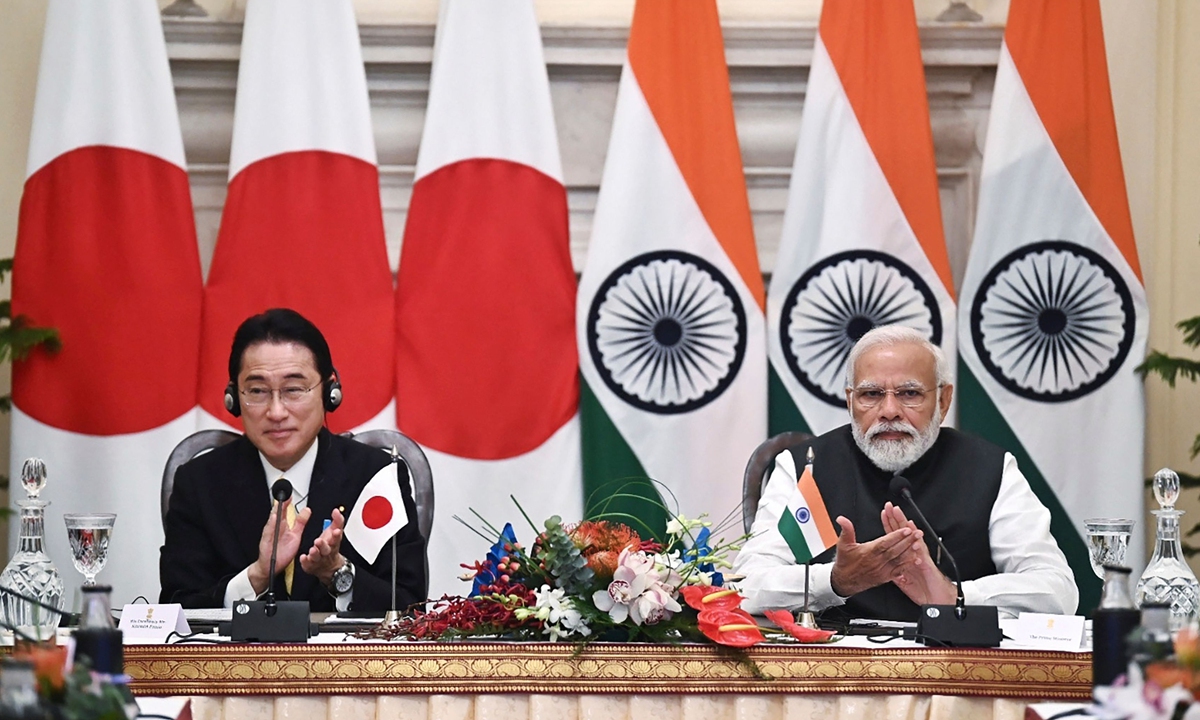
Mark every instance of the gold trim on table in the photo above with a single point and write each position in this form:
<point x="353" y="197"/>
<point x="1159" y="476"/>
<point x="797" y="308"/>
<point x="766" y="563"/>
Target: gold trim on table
<point x="475" y="667"/>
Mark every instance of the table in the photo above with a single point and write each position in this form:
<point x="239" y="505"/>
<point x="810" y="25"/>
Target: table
<point x="513" y="681"/>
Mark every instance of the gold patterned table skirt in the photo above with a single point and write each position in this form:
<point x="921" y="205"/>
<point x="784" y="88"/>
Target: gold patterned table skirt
<point x="525" y="670"/>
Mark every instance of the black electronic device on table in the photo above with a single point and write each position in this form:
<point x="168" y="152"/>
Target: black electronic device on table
<point x="957" y="625"/>
<point x="270" y="620"/>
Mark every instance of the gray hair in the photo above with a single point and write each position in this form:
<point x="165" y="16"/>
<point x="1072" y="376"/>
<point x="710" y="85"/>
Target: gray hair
<point x="889" y="336"/>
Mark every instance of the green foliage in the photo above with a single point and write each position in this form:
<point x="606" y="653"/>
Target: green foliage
<point x="18" y="338"/>
<point x="88" y="697"/>
<point x="565" y="563"/>
<point x="1170" y="368"/>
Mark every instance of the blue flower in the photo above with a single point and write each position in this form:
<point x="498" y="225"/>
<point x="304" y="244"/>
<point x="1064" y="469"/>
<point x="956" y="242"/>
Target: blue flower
<point x="700" y="549"/>
<point x="487" y="572"/>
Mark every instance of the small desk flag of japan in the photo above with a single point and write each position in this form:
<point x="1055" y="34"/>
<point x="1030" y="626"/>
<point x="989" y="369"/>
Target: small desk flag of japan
<point x="378" y="515"/>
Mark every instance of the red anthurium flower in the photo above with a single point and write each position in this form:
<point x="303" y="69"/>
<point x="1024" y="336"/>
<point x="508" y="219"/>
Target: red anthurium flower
<point x="729" y="627"/>
<point x="784" y="619"/>
<point x="707" y="597"/>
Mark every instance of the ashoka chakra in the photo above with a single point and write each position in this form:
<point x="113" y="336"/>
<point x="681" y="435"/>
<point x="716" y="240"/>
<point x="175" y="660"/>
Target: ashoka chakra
<point x="1052" y="321"/>
<point x="836" y="301"/>
<point x="667" y="332"/>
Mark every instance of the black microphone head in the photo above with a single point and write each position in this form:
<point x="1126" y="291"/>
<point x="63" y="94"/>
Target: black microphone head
<point x="281" y="490"/>
<point x="899" y="486"/>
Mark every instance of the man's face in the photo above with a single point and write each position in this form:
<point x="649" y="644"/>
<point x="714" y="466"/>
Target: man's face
<point x="895" y="405"/>
<point x="281" y="429"/>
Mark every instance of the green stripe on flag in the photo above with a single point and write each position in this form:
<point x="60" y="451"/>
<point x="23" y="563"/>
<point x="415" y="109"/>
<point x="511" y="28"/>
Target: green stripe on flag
<point x="615" y="486"/>
<point x="791" y="532"/>
<point x="984" y="419"/>
<point x="782" y="413"/>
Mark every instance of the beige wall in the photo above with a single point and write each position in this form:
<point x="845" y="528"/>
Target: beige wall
<point x="616" y="12"/>
<point x="1154" y="61"/>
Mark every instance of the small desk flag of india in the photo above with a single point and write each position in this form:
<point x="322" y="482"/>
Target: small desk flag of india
<point x="378" y="515"/>
<point x="805" y="526"/>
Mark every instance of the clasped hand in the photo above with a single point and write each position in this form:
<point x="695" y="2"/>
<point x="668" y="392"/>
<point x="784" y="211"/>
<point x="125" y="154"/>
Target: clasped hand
<point x="899" y="556"/>
<point x="321" y="560"/>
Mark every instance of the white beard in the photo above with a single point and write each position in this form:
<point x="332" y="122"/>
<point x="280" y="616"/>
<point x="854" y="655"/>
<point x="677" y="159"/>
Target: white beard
<point x="896" y="455"/>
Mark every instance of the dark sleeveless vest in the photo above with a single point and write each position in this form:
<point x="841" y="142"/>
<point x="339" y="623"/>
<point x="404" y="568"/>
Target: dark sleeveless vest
<point x="955" y="484"/>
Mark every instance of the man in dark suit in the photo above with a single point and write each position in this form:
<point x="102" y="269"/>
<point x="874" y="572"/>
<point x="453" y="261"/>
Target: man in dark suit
<point x="221" y="518"/>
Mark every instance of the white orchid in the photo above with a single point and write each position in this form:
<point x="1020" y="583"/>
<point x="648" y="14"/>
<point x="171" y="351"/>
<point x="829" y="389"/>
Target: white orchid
<point x="557" y="612"/>
<point x="680" y="525"/>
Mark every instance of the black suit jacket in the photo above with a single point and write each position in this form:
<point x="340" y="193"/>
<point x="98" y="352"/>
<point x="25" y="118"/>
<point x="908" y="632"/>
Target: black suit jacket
<point x="221" y="503"/>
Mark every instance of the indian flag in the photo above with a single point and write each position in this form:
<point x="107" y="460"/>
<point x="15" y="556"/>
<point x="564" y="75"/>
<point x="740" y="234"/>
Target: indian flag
<point x="670" y="312"/>
<point x="862" y="241"/>
<point x="806" y="525"/>
<point x="1054" y="310"/>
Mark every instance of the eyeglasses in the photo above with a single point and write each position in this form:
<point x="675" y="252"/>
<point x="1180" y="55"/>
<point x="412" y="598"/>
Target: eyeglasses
<point x="907" y="396"/>
<point x="290" y="395"/>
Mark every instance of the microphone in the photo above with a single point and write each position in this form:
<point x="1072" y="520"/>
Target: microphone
<point x="280" y="491"/>
<point x="271" y="621"/>
<point x="900" y="486"/>
<point x="974" y="626"/>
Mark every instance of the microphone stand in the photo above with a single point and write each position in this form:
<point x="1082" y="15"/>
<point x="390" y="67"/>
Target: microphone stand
<point x="271" y="620"/>
<point x="270" y="607"/>
<point x="950" y="624"/>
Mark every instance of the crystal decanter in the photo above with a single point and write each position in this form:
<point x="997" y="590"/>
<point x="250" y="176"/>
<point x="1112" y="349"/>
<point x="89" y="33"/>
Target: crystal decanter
<point x="30" y="572"/>
<point x="1167" y="578"/>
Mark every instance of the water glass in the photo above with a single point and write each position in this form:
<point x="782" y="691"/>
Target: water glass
<point x="89" y="534"/>
<point x="1108" y="539"/>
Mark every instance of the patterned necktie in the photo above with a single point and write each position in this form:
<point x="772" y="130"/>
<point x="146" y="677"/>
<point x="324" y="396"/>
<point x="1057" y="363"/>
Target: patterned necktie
<point x="290" y="571"/>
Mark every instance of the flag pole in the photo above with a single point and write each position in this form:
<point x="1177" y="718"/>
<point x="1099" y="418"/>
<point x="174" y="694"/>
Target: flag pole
<point x="806" y="619"/>
<point x="393" y="617"/>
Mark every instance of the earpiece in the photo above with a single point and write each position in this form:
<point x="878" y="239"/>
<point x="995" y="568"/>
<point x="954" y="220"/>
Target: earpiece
<point x="333" y="392"/>
<point x="231" y="399"/>
<point x="331" y="396"/>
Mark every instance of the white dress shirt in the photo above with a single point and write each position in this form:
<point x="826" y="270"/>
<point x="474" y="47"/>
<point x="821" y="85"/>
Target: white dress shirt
<point x="1033" y="574"/>
<point x="300" y="476"/>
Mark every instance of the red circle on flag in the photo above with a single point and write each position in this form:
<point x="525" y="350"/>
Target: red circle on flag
<point x="377" y="512"/>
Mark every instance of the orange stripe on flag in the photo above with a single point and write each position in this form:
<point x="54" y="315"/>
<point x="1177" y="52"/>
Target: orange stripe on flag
<point x="678" y="58"/>
<point x="875" y="48"/>
<point x="1058" y="49"/>
<point x="816" y="505"/>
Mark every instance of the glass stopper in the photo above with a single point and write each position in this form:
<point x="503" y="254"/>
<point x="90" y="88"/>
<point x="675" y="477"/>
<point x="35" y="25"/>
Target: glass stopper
<point x="33" y="476"/>
<point x="1166" y="488"/>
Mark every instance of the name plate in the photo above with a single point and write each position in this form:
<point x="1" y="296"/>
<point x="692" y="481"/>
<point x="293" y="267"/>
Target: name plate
<point x="1049" y="632"/>
<point x="143" y="623"/>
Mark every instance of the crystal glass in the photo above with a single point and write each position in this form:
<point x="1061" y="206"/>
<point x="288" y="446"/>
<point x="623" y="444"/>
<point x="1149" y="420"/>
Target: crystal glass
<point x="30" y="572"/>
<point x="1168" y="579"/>
<point x="1108" y="539"/>
<point x="89" y="534"/>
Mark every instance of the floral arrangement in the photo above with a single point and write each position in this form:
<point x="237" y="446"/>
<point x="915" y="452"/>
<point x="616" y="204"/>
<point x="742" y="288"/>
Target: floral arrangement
<point x="600" y="580"/>
<point x="71" y="690"/>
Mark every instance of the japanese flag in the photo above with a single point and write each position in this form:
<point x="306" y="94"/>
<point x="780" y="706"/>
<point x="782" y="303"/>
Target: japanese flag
<point x="378" y="515"/>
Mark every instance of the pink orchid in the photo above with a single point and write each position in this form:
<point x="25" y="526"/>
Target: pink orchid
<point x="636" y="591"/>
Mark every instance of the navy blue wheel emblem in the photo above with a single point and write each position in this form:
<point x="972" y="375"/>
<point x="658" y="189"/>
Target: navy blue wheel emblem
<point x="1052" y="321"/>
<point x="803" y="515"/>
<point x="667" y="332"/>
<point x="836" y="301"/>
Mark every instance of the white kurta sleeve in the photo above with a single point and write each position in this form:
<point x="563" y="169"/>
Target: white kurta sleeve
<point x="773" y="580"/>
<point x="1033" y="572"/>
